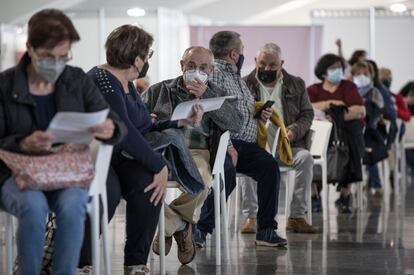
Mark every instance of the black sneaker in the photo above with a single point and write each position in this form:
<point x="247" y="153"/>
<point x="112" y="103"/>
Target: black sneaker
<point x="316" y="204"/>
<point x="199" y="238"/>
<point x="344" y="204"/>
<point x="269" y="237"/>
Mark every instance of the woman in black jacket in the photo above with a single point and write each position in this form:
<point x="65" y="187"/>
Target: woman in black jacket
<point x="31" y="93"/>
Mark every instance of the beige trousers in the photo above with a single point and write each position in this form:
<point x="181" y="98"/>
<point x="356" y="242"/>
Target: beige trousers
<point x="187" y="207"/>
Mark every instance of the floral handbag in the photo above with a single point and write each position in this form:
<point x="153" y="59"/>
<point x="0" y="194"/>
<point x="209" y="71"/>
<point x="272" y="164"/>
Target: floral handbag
<point x="69" y="165"/>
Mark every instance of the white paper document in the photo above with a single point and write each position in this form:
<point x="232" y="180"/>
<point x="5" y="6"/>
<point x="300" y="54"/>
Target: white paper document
<point x="73" y="127"/>
<point x="185" y="109"/>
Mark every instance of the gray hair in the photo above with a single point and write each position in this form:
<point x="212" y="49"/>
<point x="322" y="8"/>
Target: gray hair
<point x="271" y="48"/>
<point x="198" y="49"/>
<point x="223" y="42"/>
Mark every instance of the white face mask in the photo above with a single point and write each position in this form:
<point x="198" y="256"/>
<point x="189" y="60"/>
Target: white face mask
<point x="190" y="75"/>
<point x="362" y="80"/>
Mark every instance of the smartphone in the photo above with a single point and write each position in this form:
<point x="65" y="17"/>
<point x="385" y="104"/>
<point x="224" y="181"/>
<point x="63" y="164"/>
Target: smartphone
<point x="268" y="104"/>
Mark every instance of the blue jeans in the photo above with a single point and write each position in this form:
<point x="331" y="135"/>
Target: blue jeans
<point x="258" y="164"/>
<point x="31" y="209"/>
<point x="374" y="177"/>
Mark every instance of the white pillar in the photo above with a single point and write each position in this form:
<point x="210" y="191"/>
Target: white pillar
<point x="101" y="35"/>
<point x="372" y="33"/>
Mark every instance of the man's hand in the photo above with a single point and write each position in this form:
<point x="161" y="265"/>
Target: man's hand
<point x="197" y="87"/>
<point x="153" y="117"/>
<point x="159" y="184"/>
<point x="233" y="154"/>
<point x="38" y="142"/>
<point x="195" y="119"/>
<point x="266" y="114"/>
<point x="104" y="130"/>
<point x="290" y="134"/>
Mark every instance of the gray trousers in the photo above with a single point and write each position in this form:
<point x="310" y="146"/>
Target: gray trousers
<point x="303" y="165"/>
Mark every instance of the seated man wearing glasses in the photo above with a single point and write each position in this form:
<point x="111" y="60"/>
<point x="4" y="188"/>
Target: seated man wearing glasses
<point x="201" y="135"/>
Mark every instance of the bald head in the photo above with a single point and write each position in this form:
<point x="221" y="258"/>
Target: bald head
<point x="198" y="51"/>
<point x="197" y="58"/>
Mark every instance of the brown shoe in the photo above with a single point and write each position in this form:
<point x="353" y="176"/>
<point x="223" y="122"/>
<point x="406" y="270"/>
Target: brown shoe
<point x="299" y="225"/>
<point x="185" y="244"/>
<point x="250" y="226"/>
<point x="156" y="245"/>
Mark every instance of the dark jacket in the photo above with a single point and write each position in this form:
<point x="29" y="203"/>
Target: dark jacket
<point x="74" y="92"/>
<point x="297" y="109"/>
<point x="160" y="101"/>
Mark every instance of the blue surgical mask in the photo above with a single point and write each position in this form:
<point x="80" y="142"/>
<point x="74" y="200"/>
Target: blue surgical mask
<point x="335" y="75"/>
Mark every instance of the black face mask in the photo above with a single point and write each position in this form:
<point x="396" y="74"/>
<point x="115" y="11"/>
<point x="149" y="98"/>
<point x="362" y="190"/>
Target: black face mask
<point x="239" y="64"/>
<point x="387" y="83"/>
<point x="266" y="76"/>
<point x="144" y="70"/>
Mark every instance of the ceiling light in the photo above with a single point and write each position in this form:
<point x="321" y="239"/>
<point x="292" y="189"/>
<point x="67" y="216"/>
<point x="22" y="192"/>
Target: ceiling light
<point x="398" y="7"/>
<point x="136" y="12"/>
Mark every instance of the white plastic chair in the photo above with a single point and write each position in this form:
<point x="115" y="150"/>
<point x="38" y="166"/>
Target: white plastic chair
<point x="102" y="154"/>
<point x="219" y="202"/>
<point x="407" y="143"/>
<point x="273" y="134"/>
<point x="97" y="192"/>
<point x="319" y="147"/>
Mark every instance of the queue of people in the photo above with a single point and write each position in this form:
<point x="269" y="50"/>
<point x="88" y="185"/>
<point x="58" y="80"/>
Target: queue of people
<point x="151" y="149"/>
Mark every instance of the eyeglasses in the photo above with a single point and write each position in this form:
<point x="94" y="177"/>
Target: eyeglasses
<point x="148" y="56"/>
<point x="150" y="53"/>
<point x="49" y="56"/>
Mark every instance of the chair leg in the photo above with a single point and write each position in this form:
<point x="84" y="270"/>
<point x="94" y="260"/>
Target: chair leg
<point x="9" y="243"/>
<point x="287" y="196"/>
<point x="94" y="217"/>
<point x="325" y="191"/>
<point x="216" y="189"/>
<point x="104" y="226"/>
<point x="309" y="204"/>
<point x="225" y="226"/>
<point x="237" y="203"/>
<point x="161" y="241"/>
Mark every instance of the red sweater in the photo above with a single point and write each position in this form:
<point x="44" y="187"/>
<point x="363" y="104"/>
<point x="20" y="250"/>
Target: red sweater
<point x="402" y="109"/>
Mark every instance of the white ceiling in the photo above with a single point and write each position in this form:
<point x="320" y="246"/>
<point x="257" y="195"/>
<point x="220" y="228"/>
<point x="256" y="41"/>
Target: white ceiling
<point x="225" y="11"/>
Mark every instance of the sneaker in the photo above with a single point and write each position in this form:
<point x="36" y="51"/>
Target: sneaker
<point x="249" y="226"/>
<point x="269" y="237"/>
<point x="316" y="204"/>
<point x="344" y="204"/>
<point x="185" y="244"/>
<point x="299" y="225"/>
<point x="156" y="245"/>
<point x="86" y="270"/>
<point x="136" y="270"/>
<point x="199" y="238"/>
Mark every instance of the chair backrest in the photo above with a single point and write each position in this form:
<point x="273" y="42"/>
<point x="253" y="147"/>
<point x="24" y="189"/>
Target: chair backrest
<point x="102" y="154"/>
<point x="273" y="134"/>
<point x="409" y="131"/>
<point x="221" y="153"/>
<point x="321" y="131"/>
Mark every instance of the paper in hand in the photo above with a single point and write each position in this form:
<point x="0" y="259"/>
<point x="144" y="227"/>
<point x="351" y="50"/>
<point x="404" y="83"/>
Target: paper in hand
<point x="73" y="127"/>
<point x="185" y="109"/>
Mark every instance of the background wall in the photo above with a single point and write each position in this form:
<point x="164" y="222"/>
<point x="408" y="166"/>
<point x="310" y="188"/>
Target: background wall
<point x="393" y="42"/>
<point x="86" y="51"/>
<point x="298" y="46"/>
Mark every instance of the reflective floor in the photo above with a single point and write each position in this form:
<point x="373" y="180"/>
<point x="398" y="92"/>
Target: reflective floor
<point x="377" y="240"/>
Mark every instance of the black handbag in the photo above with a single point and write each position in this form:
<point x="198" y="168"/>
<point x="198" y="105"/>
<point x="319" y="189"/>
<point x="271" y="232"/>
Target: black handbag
<point x="337" y="159"/>
<point x="375" y="147"/>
